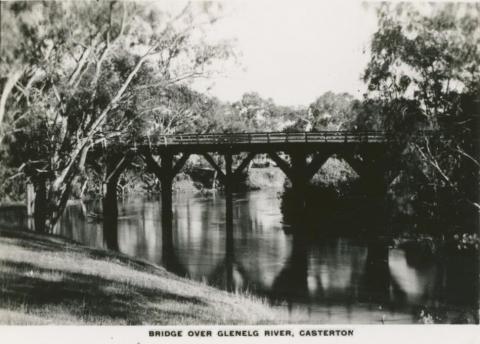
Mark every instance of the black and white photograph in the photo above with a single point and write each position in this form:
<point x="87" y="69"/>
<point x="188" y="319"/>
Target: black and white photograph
<point x="239" y="163"/>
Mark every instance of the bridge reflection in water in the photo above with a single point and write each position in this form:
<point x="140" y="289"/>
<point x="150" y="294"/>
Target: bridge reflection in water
<point x="329" y="279"/>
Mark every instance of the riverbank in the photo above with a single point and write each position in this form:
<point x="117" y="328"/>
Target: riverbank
<point x="50" y="280"/>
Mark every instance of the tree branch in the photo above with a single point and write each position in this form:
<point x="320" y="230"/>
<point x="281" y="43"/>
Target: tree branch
<point x="12" y="79"/>
<point x="465" y="154"/>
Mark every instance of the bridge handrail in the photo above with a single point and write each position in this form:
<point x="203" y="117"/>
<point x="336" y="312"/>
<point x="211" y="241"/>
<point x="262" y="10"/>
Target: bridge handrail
<point x="342" y="136"/>
<point x="268" y="137"/>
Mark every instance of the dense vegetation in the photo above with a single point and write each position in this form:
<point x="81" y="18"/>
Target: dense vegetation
<point x="108" y="70"/>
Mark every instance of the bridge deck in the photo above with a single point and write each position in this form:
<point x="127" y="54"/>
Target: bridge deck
<point x="266" y="138"/>
<point x="259" y="142"/>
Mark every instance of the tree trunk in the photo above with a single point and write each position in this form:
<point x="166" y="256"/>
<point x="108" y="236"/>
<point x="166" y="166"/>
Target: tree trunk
<point x="50" y="202"/>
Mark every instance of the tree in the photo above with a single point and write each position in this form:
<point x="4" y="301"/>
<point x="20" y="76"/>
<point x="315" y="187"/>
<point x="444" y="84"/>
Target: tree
<point x="428" y="53"/>
<point x="424" y="74"/>
<point x="82" y="76"/>
<point x="255" y="112"/>
<point x="174" y="109"/>
<point x="332" y="111"/>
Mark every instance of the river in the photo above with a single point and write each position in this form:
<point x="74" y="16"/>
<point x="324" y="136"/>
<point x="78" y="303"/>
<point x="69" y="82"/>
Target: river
<point x="323" y="279"/>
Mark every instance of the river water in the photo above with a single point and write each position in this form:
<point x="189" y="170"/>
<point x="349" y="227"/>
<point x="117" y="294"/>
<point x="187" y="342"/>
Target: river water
<point x="322" y="279"/>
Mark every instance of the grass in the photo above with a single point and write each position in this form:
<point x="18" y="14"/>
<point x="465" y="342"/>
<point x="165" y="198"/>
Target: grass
<point x="49" y="280"/>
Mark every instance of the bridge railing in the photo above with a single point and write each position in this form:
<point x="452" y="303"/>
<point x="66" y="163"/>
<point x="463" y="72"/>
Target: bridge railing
<point x="268" y="137"/>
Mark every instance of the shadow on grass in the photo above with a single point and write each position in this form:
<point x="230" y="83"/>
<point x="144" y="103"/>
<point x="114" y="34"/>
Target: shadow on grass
<point x="90" y="297"/>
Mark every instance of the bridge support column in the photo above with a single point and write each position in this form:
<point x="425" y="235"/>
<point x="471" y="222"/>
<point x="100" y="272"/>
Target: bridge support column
<point x="229" y="203"/>
<point x="166" y="180"/>
<point x="116" y="164"/>
<point x="372" y="167"/>
<point x="300" y="183"/>
<point x="300" y="172"/>
<point x="165" y="173"/>
<point x="229" y="178"/>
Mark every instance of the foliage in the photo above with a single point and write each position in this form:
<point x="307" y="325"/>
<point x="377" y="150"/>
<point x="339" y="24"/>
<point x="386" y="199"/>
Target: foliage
<point x="82" y="77"/>
<point x="333" y="111"/>
<point x="424" y="74"/>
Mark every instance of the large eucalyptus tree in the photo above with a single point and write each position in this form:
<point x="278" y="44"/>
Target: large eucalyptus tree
<point x="424" y="73"/>
<point x="75" y="74"/>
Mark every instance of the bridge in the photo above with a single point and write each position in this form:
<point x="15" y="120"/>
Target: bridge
<point x="240" y="141"/>
<point x="298" y="154"/>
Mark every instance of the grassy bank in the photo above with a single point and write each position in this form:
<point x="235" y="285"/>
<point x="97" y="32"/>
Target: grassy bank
<point x="49" y="280"/>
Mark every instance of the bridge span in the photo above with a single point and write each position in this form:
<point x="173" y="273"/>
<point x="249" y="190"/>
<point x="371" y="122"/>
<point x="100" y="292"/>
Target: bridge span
<point x="261" y="141"/>
<point x="298" y="154"/>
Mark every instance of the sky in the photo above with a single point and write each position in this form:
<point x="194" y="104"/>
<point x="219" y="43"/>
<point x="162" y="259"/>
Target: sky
<point x="293" y="51"/>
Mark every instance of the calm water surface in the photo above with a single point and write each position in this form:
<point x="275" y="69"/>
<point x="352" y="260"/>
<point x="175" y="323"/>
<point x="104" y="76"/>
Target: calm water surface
<point x="325" y="280"/>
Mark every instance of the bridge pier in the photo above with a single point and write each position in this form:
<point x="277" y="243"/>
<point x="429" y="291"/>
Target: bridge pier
<point x="165" y="173"/>
<point x="300" y="179"/>
<point x="228" y="178"/>
<point x="166" y="181"/>
<point x="300" y="171"/>
<point x="116" y="164"/>
<point x="372" y="166"/>
<point x="229" y="203"/>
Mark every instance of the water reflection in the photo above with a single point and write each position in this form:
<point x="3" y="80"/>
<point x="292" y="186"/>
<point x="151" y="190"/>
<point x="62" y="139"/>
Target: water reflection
<point x="327" y="279"/>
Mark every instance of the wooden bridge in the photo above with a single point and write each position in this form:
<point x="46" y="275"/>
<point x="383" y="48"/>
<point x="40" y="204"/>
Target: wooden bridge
<point x="249" y="141"/>
<point x="298" y="154"/>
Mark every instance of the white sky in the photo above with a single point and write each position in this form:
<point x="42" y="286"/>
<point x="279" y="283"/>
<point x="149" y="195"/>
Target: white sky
<point x="294" y="51"/>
